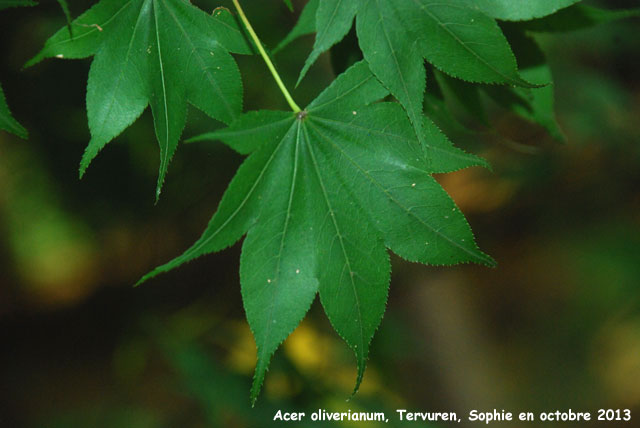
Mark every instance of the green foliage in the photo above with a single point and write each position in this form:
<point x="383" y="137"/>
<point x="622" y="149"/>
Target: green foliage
<point x="324" y="191"/>
<point x="320" y="196"/>
<point x="333" y="21"/>
<point x="396" y="36"/>
<point x="159" y="52"/>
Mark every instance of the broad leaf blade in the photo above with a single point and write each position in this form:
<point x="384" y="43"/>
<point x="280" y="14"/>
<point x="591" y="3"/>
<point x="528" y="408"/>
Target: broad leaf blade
<point x="252" y="130"/>
<point x="461" y="42"/>
<point x="117" y="86"/>
<point x="238" y="208"/>
<point x="354" y="280"/>
<point x="279" y="261"/>
<point x="392" y="57"/>
<point x="355" y="87"/>
<point x="89" y="30"/>
<point x="442" y="155"/>
<point x="394" y="36"/>
<point x="321" y="198"/>
<point x="390" y="178"/>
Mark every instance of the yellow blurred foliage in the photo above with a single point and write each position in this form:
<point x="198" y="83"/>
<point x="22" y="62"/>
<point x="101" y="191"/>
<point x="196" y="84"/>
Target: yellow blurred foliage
<point x="617" y="362"/>
<point x="475" y="191"/>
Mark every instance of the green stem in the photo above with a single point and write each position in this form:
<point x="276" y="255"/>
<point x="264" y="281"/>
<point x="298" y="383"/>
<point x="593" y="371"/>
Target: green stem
<point x="267" y="60"/>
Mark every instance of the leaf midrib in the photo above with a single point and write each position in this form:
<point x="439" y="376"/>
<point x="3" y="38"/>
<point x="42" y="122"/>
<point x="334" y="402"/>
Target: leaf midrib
<point x="385" y="134"/>
<point x="324" y="33"/>
<point x="342" y="246"/>
<point x="462" y="43"/>
<point x="165" y="155"/>
<point x="313" y="107"/>
<point x="203" y="67"/>
<point x="223" y="134"/>
<point x="396" y="62"/>
<point x="275" y="283"/>
<point x="121" y="74"/>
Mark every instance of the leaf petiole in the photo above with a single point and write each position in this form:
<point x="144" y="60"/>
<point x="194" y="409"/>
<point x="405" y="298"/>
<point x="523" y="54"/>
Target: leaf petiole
<point x="267" y="60"/>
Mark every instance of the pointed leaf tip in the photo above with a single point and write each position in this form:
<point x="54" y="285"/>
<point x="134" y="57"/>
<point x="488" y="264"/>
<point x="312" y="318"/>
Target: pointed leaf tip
<point x="334" y="18"/>
<point x="159" y="54"/>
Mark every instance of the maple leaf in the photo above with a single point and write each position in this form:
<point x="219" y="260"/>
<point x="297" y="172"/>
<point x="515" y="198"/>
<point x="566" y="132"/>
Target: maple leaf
<point x="321" y="195"/>
<point x="395" y="38"/>
<point x="162" y="53"/>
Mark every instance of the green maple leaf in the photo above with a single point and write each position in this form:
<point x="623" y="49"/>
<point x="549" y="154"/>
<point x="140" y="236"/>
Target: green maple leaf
<point x="396" y="37"/>
<point x="459" y="40"/>
<point x="321" y="195"/>
<point x="162" y="53"/>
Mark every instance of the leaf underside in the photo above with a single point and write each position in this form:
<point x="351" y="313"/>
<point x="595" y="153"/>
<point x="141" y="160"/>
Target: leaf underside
<point x="320" y="198"/>
<point x="162" y="53"/>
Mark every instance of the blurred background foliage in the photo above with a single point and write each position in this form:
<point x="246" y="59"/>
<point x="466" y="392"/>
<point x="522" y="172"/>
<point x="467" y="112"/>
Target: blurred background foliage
<point x="555" y="326"/>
